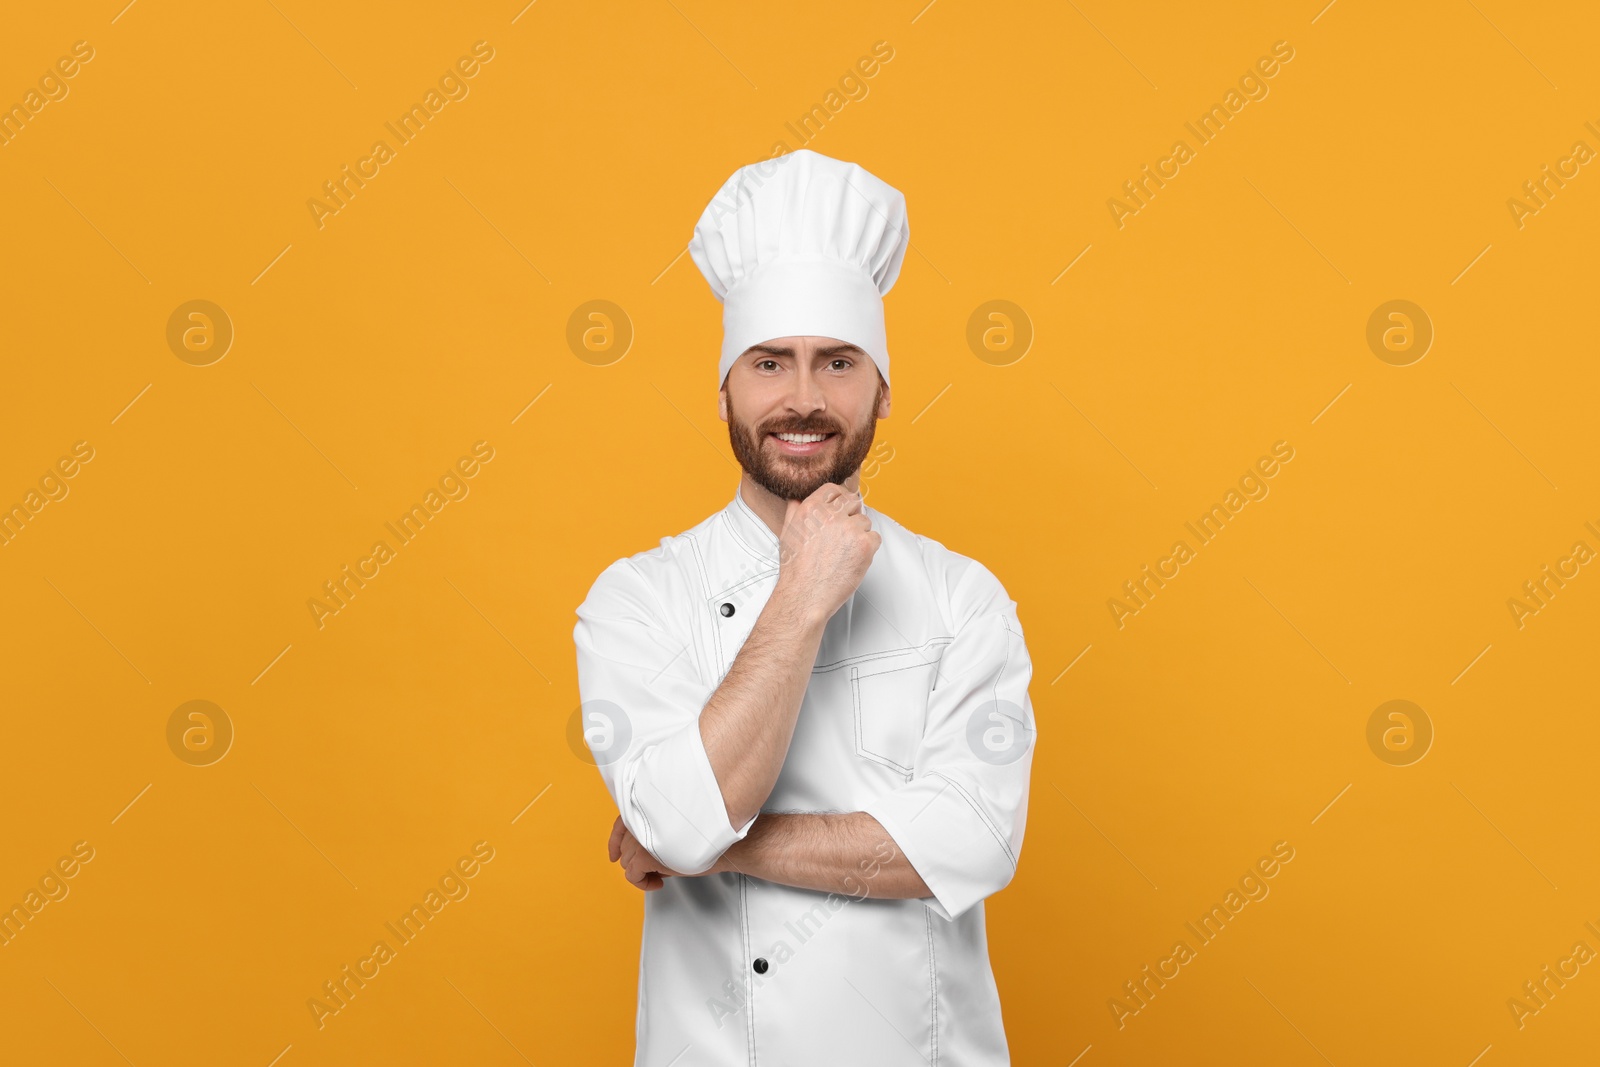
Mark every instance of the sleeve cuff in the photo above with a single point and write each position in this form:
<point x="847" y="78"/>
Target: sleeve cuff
<point x="958" y="854"/>
<point x="688" y="819"/>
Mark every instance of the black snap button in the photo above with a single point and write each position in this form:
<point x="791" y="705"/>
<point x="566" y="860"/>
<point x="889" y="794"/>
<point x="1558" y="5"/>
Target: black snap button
<point x="760" y="965"/>
<point x="726" y="609"/>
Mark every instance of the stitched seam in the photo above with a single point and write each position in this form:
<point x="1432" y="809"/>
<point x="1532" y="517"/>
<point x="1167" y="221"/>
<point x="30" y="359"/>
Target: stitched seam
<point x="1001" y="673"/>
<point x="896" y="670"/>
<point x="700" y="565"/>
<point x="649" y="832"/>
<point x="933" y="984"/>
<point x="742" y="584"/>
<point x="733" y="527"/>
<point x="982" y="816"/>
<point x="749" y="983"/>
<point x="853" y="660"/>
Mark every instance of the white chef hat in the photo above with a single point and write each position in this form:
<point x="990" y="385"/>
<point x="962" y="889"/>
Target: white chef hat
<point x="802" y="245"/>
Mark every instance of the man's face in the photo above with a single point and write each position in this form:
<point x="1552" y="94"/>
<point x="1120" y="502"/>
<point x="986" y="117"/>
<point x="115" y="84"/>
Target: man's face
<point x="802" y="386"/>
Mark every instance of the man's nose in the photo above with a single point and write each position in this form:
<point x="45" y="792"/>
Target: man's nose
<point x="806" y="396"/>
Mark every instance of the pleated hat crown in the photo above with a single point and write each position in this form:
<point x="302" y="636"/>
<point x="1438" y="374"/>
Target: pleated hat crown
<point x="801" y="245"/>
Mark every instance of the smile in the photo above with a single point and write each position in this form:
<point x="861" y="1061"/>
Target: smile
<point x="801" y="444"/>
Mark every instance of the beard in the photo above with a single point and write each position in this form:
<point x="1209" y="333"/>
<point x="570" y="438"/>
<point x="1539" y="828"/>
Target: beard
<point x="797" y="477"/>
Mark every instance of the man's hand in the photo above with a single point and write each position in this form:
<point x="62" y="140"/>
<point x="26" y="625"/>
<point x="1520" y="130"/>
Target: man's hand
<point x="825" y="548"/>
<point x="638" y="866"/>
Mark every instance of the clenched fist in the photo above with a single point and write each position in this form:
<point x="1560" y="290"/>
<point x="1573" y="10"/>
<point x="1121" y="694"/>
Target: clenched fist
<point x="825" y="548"/>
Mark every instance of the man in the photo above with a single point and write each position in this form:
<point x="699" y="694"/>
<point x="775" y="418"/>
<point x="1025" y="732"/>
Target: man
<point x="814" y="722"/>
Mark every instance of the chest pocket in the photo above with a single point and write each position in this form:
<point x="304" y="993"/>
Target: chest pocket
<point x="890" y="697"/>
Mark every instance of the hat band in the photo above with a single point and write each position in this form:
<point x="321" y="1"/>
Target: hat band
<point x="799" y="297"/>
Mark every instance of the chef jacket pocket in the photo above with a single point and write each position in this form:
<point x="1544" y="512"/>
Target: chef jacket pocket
<point x="890" y="694"/>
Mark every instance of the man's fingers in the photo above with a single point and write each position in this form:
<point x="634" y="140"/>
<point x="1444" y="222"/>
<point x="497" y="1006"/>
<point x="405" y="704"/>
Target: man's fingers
<point x="840" y="501"/>
<point x="641" y="873"/>
<point x="614" y="846"/>
<point x="634" y="858"/>
<point x="829" y="498"/>
<point x="640" y="868"/>
<point x="647" y="881"/>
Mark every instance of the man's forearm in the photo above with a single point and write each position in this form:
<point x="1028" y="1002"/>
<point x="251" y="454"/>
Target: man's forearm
<point x="848" y="853"/>
<point x="749" y="721"/>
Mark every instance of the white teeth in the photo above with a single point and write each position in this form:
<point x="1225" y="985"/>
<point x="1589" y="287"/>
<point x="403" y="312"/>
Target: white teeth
<point x="801" y="438"/>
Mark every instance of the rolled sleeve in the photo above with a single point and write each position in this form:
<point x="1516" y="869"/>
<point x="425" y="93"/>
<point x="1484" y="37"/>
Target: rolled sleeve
<point x="641" y="716"/>
<point x="960" y="819"/>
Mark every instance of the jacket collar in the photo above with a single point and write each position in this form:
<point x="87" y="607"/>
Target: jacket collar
<point x="751" y="530"/>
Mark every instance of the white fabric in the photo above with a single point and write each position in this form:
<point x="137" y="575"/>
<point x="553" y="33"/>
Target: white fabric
<point x="802" y="245"/>
<point x="927" y="641"/>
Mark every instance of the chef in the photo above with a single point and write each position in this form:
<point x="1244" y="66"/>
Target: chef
<point x="815" y="723"/>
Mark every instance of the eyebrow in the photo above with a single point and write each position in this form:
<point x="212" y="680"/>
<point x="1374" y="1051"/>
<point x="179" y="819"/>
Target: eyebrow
<point x="830" y="350"/>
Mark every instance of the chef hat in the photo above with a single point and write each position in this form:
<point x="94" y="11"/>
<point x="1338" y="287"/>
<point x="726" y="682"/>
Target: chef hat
<point x="802" y="245"/>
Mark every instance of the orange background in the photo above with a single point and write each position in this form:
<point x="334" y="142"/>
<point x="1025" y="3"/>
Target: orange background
<point x="432" y="310"/>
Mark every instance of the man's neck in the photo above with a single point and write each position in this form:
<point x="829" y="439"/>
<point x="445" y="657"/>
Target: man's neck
<point x="771" y="507"/>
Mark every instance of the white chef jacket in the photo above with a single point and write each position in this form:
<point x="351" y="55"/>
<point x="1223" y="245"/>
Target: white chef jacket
<point x="915" y="674"/>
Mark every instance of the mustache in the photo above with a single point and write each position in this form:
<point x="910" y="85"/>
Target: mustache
<point x="804" y="427"/>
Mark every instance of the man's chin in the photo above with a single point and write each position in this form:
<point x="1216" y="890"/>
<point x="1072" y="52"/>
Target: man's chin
<point x="789" y="485"/>
<point x="791" y="490"/>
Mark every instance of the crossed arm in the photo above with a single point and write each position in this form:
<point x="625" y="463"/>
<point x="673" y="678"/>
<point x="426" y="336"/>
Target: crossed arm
<point x="846" y="853"/>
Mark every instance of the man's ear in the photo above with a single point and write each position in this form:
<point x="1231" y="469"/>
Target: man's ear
<point x="722" y="403"/>
<point x="883" y="402"/>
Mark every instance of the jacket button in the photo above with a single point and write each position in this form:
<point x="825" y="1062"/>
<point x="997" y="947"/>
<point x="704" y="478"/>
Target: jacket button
<point x="760" y="965"/>
<point x="726" y="609"/>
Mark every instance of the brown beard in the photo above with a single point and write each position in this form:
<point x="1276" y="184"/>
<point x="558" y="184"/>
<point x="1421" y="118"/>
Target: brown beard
<point x="797" y="477"/>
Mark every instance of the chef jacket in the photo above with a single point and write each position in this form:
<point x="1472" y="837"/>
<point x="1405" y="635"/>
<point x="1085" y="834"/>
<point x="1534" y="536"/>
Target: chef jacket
<point x="917" y="712"/>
